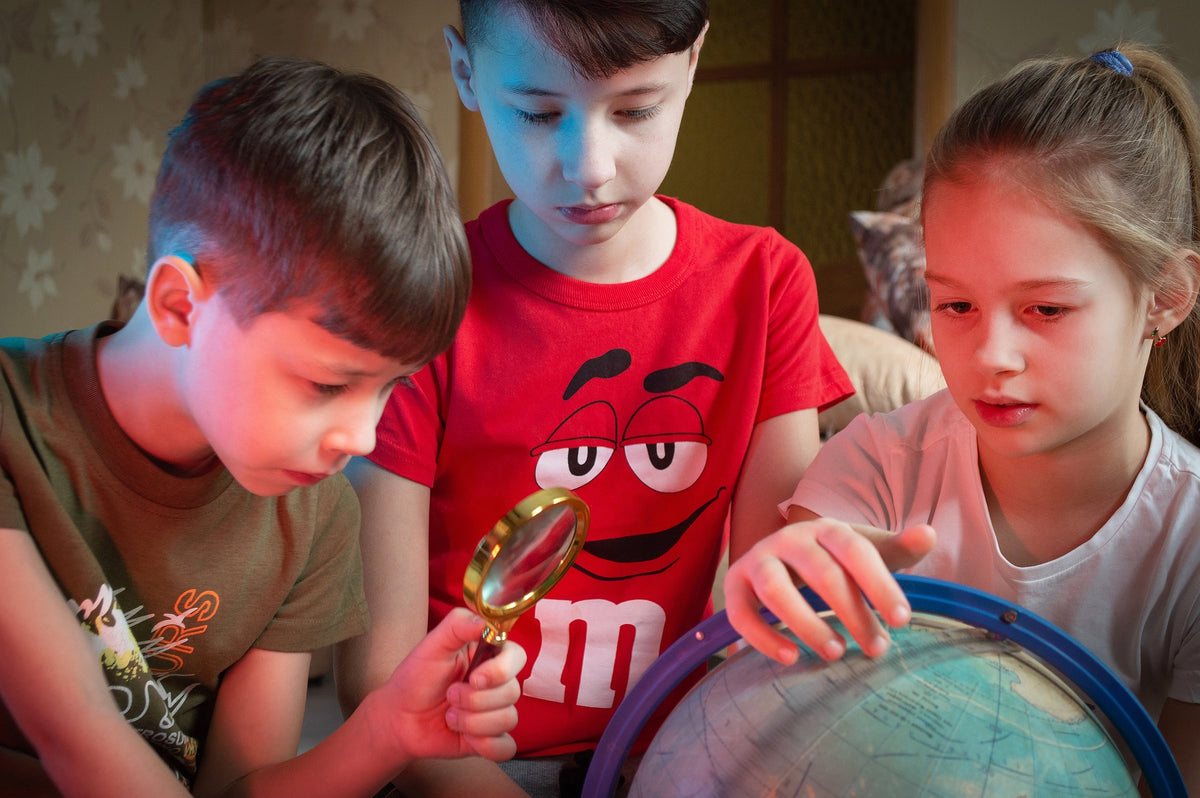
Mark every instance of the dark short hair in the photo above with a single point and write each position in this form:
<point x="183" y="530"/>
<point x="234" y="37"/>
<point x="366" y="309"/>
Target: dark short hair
<point x="598" y="37"/>
<point x="295" y="182"/>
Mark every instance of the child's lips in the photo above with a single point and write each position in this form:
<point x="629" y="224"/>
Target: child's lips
<point x="590" y="214"/>
<point x="1003" y="413"/>
<point x="304" y="478"/>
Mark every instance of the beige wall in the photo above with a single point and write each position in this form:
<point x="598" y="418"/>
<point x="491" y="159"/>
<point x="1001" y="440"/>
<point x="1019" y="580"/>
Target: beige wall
<point x="88" y="90"/>
<point x="991" y="37"/>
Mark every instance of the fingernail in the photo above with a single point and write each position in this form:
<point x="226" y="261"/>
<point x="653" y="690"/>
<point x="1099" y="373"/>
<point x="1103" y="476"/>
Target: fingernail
<point x="452" y="719"/>
<point x="877" y="646"/>
<point x="788" y="655"/>
<point x="454" y="693"/>
<point x="834" y="649"/>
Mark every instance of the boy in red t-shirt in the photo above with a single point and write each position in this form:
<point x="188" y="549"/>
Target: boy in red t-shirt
<point x="665" y="365"/>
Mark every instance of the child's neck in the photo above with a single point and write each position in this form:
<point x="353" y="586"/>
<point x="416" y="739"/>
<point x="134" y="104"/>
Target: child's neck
<point x="1046" y="505"/>
<point x="635" y="251"/>
<point x="135" y="370"/>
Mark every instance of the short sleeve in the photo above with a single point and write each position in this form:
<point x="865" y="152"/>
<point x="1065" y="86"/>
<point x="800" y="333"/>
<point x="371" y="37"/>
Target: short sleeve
<point x="1185" y="675"/>
<point x="327" y="602"/>
<point x="865" y="499"/>
<point x="801" y="369"/>
<point x="408" y="435"/>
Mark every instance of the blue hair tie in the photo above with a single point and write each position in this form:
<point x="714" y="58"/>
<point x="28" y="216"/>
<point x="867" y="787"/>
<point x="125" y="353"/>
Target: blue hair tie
<point x="1114" y="61"/>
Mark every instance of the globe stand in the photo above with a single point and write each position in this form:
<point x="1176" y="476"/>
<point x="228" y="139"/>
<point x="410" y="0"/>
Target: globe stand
<point x="935" y="597"/>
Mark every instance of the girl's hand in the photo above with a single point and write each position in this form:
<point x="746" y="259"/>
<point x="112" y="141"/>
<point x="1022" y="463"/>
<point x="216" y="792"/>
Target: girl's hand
<point x="435" y="714"/>
<point x="847" y="566"/>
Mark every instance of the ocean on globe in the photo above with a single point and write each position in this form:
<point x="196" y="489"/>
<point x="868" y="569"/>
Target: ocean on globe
<point x="951" y="710"/>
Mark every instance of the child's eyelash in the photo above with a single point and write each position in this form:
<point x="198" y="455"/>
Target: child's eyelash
<point x="643" y="113"/>
<point x="541" y="118"/>
<point x="329" y="390"/>
<point x="532" y="118"/>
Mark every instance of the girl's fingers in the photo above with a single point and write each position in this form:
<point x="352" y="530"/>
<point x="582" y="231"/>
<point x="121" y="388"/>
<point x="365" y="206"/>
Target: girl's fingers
<point x="862" y="570"/>
<point x="907" y="547"/>
<point x="741" y="607"/>
<point x="847" y="567"/>
<point x="816" y="564"/>
<point x="756" y="580"/>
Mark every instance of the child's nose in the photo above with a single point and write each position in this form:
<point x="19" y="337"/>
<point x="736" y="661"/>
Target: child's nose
<point x="587" y="155"/>
<point x="998" y="347"/>
<point x="354" y="432"/>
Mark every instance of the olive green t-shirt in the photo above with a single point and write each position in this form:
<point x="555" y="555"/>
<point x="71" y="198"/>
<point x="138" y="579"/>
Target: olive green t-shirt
<point x="177" y="577"/>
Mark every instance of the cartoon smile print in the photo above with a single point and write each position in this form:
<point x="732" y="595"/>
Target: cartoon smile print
<point x="664" y="445"/>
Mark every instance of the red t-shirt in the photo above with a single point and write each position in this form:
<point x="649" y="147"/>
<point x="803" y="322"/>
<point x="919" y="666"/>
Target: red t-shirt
<point x="641" y="397"/>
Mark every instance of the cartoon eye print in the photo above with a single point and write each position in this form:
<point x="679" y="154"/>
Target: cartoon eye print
<point x="571" y="467"/>
<point x="579" y="449"/>
<point x="665" y="444"/>
<point x="668" y="466"/>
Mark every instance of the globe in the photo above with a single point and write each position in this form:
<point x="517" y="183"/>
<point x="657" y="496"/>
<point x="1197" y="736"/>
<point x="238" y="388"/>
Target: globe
<point x="950" y="711"/>
<point x="975" y="697"/>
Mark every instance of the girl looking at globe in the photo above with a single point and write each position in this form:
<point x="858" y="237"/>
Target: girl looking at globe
<point x="1060" y="468"/>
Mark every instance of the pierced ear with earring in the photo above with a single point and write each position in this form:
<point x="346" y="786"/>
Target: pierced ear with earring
<point x="1159" y="340"/>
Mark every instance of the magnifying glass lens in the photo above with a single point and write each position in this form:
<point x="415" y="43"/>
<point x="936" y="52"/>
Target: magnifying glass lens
<point x="524" y="555"/>
<point x="529" y="557"/>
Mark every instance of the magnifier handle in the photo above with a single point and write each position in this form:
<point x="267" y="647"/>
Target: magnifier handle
<point x="483" y="653"/>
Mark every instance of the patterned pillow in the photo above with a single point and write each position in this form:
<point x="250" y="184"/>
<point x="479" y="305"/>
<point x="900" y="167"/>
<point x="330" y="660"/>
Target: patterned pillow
<point x="893" y="259"/>
<point x="900" y="191"/>
<point x="886" y="371"/>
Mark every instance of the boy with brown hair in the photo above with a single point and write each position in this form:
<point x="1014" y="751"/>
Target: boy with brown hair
<point x="174" y="535"/>
<point x="664" y="364"/>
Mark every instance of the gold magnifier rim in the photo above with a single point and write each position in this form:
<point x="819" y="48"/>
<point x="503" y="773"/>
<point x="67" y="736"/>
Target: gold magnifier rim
<point x="503" y="616"/>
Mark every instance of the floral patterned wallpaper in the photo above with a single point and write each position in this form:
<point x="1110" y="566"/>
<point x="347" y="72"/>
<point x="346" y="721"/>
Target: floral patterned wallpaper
<point x="89" y="89"/>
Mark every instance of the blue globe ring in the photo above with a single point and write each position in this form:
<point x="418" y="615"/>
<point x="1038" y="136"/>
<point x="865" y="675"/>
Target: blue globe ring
<point x="932" y="596"/>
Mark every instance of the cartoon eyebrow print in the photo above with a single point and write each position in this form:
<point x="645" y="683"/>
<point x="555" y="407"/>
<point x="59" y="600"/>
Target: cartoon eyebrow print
<point x="606" y="366"/>
<point x="669" y="379"/>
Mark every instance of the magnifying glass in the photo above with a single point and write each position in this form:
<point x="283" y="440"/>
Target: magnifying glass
<point x="520" y="559"/>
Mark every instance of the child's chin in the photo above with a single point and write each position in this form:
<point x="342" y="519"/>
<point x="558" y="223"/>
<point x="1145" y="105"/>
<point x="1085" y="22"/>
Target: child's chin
<point x="268" y="488"/>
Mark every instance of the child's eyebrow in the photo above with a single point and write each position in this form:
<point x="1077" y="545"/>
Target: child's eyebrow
<point x="344" y="370"/>
<point x="1026" y="285"/>
<point x="529" y="90"/>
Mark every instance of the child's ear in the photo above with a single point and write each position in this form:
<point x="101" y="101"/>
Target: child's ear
<point x="460" y="67"/>
<point x="1173" y="304"/>
<point x="694" y="57"/>
<point x="173" y="288"/>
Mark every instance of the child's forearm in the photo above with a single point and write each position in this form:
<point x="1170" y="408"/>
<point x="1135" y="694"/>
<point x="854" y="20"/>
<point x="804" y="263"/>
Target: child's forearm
<point x="452" y="778"/>
<point x="354" y="760"/>
<point x="108" y="758"/>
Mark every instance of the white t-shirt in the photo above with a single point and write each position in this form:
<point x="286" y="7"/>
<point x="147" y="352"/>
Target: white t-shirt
<point x="1131" y="593"/>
